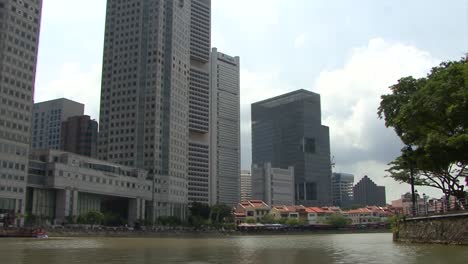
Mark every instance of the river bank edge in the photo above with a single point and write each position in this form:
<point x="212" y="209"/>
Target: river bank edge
<point x="202" y="234"/>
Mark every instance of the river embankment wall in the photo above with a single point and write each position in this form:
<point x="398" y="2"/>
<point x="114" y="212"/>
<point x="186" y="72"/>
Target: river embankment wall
<point x="440" y="229"/>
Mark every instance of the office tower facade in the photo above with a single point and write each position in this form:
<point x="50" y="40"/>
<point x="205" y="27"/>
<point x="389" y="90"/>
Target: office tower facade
<point x="245" y="185"/>
<point x="155" y="95"/>
<point x="287" y="131"/>
<point x="342" y="189"/>
<point x="199" y="102"/>
<point x="19" y="38"/>
<point x="225" y="129"/>
<point x="274" y="186"/>
<point x="47" y="121"/>
<point x="79" y="135"/>
<point x="367" y="193"/>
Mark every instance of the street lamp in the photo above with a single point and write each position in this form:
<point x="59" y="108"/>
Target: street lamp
<point x="425" y="204"/>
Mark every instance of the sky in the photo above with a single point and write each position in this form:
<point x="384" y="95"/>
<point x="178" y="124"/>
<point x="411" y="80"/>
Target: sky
<point x="348" y="51"/>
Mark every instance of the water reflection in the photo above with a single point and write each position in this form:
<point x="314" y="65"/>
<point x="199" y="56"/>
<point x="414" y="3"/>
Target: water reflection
<point x="349" y="248"/>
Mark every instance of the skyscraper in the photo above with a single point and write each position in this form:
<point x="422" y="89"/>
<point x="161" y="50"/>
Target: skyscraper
<point x="366" y="192"/>
<point x="287" y="131"/>
<point x="225" y="129"/>
<point x="199" y="102"/>
<point x="47" y="121"/>
<point x="19" y="38"/>
<point x="155" y="95"/>
<point x="144" y="115"/>
<point x="342" y="189"/>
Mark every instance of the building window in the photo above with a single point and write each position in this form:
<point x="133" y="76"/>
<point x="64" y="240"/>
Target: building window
<point x="309" y="145"/>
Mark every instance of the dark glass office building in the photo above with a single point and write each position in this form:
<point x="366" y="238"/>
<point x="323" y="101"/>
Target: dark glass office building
<point x="287" y="131"/>
<point x="366" y="192"/>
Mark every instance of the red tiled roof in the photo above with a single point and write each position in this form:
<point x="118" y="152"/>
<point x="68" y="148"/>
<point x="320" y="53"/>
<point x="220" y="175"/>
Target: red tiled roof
<point x="318" y="210"/>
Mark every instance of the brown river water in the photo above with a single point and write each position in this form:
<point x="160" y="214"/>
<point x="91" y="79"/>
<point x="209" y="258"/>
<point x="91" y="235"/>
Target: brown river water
<point x="311" y="248"/>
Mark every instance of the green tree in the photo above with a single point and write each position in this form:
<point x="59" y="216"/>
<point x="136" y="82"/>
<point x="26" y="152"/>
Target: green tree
<point x="220" y="213"/>
<point x="169" y="220"/>
<point x="94" y="217"/>
<point x="110" y="219"/>
<point x="338" y="221"/>
<point x="430" y="115"/>
<point x="250" y="221"/>
<point x="268" y="219"/>
<point x="292" y="222"/>
<point x="199" y="209"/>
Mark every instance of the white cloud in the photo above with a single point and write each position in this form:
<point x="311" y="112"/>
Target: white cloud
<point x="350" y="97"/>
<point x="74" y="82"/>
<point x="300" y="41"/>
<point x="250" y="16"/>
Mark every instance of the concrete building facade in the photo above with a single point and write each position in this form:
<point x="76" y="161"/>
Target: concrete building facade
<point x="47" y="121"/>
<point x="287" y="131"/>
<point x="19" y="38"/>
<point x="275" y="186"/>
<point x="199" y="102"/>
<point x="366" y="193"/>
<point x="79" y="135"/>
<point x="225" y="129"/>
<point x="63" y="185"/>
<point x="245" y="185"/>
<point x="342" y="189"/>
<point x="155" y="96"/>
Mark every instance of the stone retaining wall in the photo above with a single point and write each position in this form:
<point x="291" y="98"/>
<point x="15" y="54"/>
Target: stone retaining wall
<point x="442" y="229"/>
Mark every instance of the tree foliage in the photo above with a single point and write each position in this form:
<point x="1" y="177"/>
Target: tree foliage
<point x="268" y="219"/>
<point x="94" y="217"/>
<point x="338" y="221"/>
<point x="430" y="115"/>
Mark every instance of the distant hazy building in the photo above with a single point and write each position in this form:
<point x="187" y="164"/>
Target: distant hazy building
<point x="366" y="192"/>
<point x="225" y="129"/>
<point x="79" y="135"/>
<point x="274" y="186"/>
<point x="245" y="185"/>
<point x="63" y="185"/>
<point x="287" y="131"/>
<point x="47" y="121"/>
<point x="19" y="37"/>
<point x="342" y="189"/>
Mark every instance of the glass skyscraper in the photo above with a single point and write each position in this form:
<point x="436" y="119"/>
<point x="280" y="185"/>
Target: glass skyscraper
<point x="287" y="131"/>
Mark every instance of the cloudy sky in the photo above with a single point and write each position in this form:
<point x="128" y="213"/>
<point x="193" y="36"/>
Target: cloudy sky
<point x="348" y="51"/>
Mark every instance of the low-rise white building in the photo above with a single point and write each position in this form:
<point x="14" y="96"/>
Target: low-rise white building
<point x="63" y="185"/>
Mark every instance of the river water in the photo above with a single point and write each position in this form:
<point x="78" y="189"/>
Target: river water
<point x="339" y="248"/>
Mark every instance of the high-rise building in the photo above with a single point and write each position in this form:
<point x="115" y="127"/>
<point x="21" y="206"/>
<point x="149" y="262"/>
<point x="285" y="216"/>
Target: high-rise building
<point x="199" y="102"/>
<point x="79" y="135"/>
<point x="342" y="189"/>
<point x="274" y="186"/>
<point x="155" y="95"/>
<point x="19" y="38"/>
<point x="47" y="121"/>
<point x="366" y="192"/>
<point x="287" y="131"/>
<point x="225" y="129"/>
<point x="245" y="185"/>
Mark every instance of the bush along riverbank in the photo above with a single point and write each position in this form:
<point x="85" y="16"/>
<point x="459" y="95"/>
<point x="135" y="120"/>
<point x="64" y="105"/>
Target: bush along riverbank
<point x="79" y="230"/>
